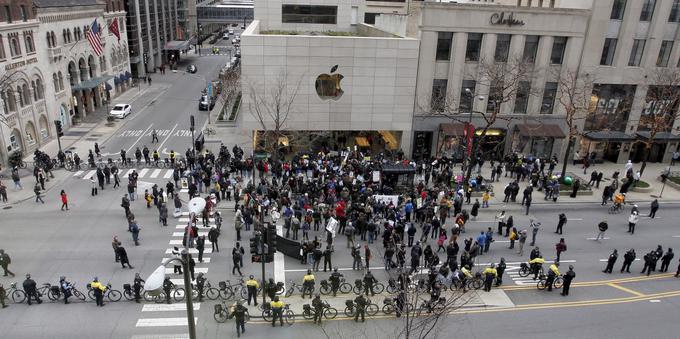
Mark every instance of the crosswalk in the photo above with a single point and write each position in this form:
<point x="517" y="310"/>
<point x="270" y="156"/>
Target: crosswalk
<point x="512" y="271"/>
<point x="149" y="173"/>
<point x="173" y="316"/>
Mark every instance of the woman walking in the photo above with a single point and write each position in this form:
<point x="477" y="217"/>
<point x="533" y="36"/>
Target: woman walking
<point x="64" y="200"/>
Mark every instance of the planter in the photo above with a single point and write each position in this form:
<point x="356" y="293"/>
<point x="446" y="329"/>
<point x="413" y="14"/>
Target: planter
<point x="671" y="182"/>
<point x="641" y="187"/>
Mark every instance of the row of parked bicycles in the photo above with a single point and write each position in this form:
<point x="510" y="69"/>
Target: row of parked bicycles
<point x="54" y="293"/>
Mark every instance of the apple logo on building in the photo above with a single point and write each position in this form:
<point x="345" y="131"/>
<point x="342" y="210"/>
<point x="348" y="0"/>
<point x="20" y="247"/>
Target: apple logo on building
<point x="328" y="85"/>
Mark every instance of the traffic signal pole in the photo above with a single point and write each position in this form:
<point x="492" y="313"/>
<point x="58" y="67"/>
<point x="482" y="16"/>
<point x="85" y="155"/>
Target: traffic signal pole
<point x="263" y="260"/>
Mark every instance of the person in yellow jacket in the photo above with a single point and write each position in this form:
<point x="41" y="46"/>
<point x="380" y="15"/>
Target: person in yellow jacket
<point x="98" y="290"/>
<point x="490" y="275"/>
<point x="465" y="276"/>
<point x="485" y="199"/>
<point x="308" y="284"/>
<point x="252" y="286"/>
<point x="536" y="264"/>
<point x="277" y="310"/>
<point x="553" y="273"/>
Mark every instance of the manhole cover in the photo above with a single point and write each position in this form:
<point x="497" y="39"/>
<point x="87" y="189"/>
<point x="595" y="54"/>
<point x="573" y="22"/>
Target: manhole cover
<point x="6" y="207"/>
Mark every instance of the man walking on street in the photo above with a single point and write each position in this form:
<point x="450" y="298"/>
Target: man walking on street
<point x="36" y="190"/>
<point x="535" y="227"/>
<point x="654" y="208"/>
<point x="602" y="227"/>
<point x="5" y="260"/>
<point x="632" y="221"/>
<point x="562" y="220"/>
<point x="154" y="136"/>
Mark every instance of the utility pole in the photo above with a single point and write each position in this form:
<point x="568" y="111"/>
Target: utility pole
<point x="193" y="141"/>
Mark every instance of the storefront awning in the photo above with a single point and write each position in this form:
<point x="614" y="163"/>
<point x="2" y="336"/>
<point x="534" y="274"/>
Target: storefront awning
<point x="659" y="136"/>
<point x="452" y="129"/>
<point x="540" y="130"/>
<point x="362" y="142"/>
<point x="177" y="45"/>
<point x="608" y="136"/>
<point x="91" y="83"/>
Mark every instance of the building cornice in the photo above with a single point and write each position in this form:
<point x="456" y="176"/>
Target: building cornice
<point x="19" y="25"/>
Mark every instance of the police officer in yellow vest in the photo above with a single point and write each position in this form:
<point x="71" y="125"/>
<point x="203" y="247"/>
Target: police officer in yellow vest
<point x="98" y="289"/>
<point x="553" y="273"/>
<point x="277" y="311"/>
<point x="536" y="264"/>
<point x="490" y="275"/>
<point x="252" y="285"/>
<point x="308" y="284"/>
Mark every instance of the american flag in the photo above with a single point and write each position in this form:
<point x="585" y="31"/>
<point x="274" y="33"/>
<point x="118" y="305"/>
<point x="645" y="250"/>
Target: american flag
<point x="95" y="39"/>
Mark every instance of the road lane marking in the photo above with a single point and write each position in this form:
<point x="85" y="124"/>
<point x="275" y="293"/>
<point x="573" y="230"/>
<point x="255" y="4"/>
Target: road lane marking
<point x="625" y="289"/>
<point x="167" y="174"/>
<point x="127" y="174"/>
<point x="676" y="236"/>
<point x="168" y="307"/>
<point x="161" y="336"/>
<point x="195" y="251"/>
<point x="163" y="322"/>
<point x="574" y="219"/>
<point x="197" y="270"/>
<point x="205" y="260"/>
<point x="155" y="173"/>
<point x="89" y="174"/>
<point x="179" y="242"/>
<point x="605" y="260"/>
<point x="140" y="138"/>
<point x="143" y="172"/>
<point x="603" y="282"/>
<point x="167" y="137"/>
<point x="181" y="234"/>
<point x="605" y="238"/>
<point x="78" y="173"/>
<point x="279" y="261"/>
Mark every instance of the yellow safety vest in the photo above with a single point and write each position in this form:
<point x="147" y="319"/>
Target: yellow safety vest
<point x="277" y="304"/>
<point x="252" y="283"/>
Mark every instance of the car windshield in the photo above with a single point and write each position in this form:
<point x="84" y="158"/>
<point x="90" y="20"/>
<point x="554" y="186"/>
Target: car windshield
<point x="118" y="108"/>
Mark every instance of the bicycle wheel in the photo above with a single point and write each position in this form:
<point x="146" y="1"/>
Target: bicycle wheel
<point x="345" y="288"/>
<point x="159" y="299"/>
<point x="475" y="284"/>
<point x="325" y="289"/>
<point x="90" y="293"/>
<point x="308" y="315"/>
<point x="357" y="290"/>
<point x="541" y="284"/>
<point x="289" y="291"/>
<point x="558" y="282"/>
<point x="114" y="295"/>
<point x="148" y="297"/>
<point x="18" y="296"/>
<point x="289" y="317"/>
<point x="212" y="293"/>
<point x="244" y="293"/>
<point x="129" y="295"/>
<point x="372" y="309"/>
<point x="53" y="296"/>
<point x="330" y="313"/>
<point x="378" y="288"/>
<point x="523" y="272"/>
<point x="220" y="317"/>
<point x="349" y="312"/>
<point x="79" y="295"/>
<point x="388" y="309"/>
<point x="227" y="293"/>
<point x="267" y="316"/>
<point x="178" y="295"/>
<point x="392" y="289"/>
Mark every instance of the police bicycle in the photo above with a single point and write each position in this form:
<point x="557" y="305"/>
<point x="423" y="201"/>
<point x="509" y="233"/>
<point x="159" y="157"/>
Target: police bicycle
<point x="328" y="312"/>
<point x="109" y="293"/>
<point x="287" y="313"/>
<point x="223" y="312"/>
<point x="525" y="270"/>
<point x="371" y="309"/>
<point x="543" y="282"/>
<point x="359" y="287"/>
<point x="390" y="306"/>
<point x="18" y="296"/>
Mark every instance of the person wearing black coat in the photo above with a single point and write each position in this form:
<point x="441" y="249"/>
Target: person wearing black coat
<point x="562" y="220"/>
<point x="122" y="255"/>
<point x="628" y="259"/>
<point x="611" y="261"/>
<point x="213" y="234"/>
<point x="654" y="208"/>
<point x="500" y="269"/>
<point x="567" y="277"/>
<point x="31" y="290"/>
<point x="475" y="209"/>
<point x="666" y="260"/>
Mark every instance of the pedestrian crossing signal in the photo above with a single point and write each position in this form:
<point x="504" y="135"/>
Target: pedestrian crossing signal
<point x="57" y="124"/>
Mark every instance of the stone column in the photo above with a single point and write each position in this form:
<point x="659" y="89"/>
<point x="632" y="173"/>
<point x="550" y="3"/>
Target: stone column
<point x="158" y="14"/>
<point x="425" y="77"/>
<point x="540" y="67"/>
<point x="140" y="68"/>
<point x="150" y="53"/>
<point x="457" y="68"/>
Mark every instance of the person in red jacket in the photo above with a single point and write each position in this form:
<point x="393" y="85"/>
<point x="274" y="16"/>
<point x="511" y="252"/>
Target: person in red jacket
<point x="64" y="200"/>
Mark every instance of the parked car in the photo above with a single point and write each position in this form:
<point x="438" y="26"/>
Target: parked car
<point x="231" y="32"/>
<point x="120" y="111"/>
<point x="192" y="69"/>
<point x="205" y="103"/>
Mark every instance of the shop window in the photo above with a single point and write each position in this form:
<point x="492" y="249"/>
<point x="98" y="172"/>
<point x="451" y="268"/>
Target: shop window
<point x="444" y="40"/>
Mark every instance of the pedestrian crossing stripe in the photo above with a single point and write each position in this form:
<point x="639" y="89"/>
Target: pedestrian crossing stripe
<point x="161" y="336"/>
<point x="191" y="251"/>
<point x="181" y="234"/>
<point x="206" y="260"/>
<point x="168" y="175"/>
<point x="169" y="307"/>
<point x="197" y="270"/>
<point x="142" y="173"/>
<point x="163" y="322"/>
<point x="155" y="173"/>
<point x="210" y="220"/>
<point x="179" y="242"/>
<point x="78" y="173"/>
<point x="199" y="225"/>
<point x="89" y="174"/>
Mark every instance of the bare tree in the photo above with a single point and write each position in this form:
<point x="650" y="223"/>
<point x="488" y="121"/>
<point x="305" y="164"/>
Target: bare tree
<point x="661" y="105"/>
<point x="574" y="95"/>
<point x="231" y="84"/>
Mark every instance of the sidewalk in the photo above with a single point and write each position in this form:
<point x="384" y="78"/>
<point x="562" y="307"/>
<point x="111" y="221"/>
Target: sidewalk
<point x="74" y="139"/>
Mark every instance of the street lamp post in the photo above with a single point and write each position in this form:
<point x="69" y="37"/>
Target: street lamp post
<point x="154" y="285"/>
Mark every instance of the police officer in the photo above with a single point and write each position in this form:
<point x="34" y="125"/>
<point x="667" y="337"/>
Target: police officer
<point x="553" y="272"/>
<point x="200" y="283"/>
<point x="649" y="258"/>
<point x="628" y="259"/>
<point x="239" y="314"/>
<point x="30" y="289"/>
<point x="317" y="304"/>
<point x="327" y="258"/>
<point x="252" y="286"/>
<point x="65" y="288"/>
<point x="666" y="260"/>
<point x="360" y="304"/>
<point x="308" y="284"/>
<point x="568" y="277"/>
<point x="611" y="261"/>
<point x="137" y="286"/>
<point x="167" y="288"/>
<point x="536" y="264"/>
<point x="277" y="311"/>
<point x="335" y="281"/>
<point x="271" y="289"/>
<point x="369" y="280"/>
<point x="500" y="269"/>
<point x="98" y="290"/>
<point x="489" y="274"/>
<point x="3" y="295"/>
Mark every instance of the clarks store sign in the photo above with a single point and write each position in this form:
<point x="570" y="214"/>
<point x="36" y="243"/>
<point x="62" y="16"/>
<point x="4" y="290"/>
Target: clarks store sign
<point x="505" y="19"/>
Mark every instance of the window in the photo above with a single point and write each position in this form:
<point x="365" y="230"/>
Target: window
<point x="647" y="10"/>
<point x="26" y="94"/>
<point x="8" y="14"/>
<point x="530" y="48"/>
<point x="618" y="9"/>
<point x="557" y="54"/>
<point x="502" y="48"/>
<point x="14" y="47"/>
<point x="2" y="48"/>
<point x="474" y="44"/>
<point x="369" y="18"/>
<point x="21" y="97"/>
<point x="5" y="104"/>
<point x="611" y="109"/>
<point x="636" y="52"/>
<point x="444" y="40"/>
<point x="438" y="101"/>
<point x="607" y="58"/>
<point x="55" y="83"/>
<point x="29" y="136"/>
<point x="61" y="82"/>
<point x="306" y="14"/>
<point x="11" y="100"/>
<point x="467" y="94"/>
<point x="14" y="142"/>
<point x="675" y="12"/>
<point x="522" y="97"/>
<point x="49" y="40"/>
<point x="549" y="94"/>
<point x="29" y="44"/>
<point x="664" y="53"/>
<point x="39" y="93"/>
<point x="495" y="97"/>
<point x="24" y="14"/>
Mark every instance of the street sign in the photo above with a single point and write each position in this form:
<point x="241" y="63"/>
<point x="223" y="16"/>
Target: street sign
<point x="260" y="156"/>
<point x="184" y="183"/>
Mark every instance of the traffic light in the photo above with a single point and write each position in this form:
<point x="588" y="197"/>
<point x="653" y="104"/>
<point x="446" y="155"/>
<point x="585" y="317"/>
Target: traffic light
<point x="271" y="230"/>
<point x="60" y="132"/>
<point x="253" y="245"/>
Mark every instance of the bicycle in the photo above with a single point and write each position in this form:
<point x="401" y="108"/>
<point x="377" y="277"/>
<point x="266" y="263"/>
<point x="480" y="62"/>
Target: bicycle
<point x="359" y="287"/>
<point x="430" y="306"/>
<point x="18" y="296"/>
<point x="370" y="308"/>
<point x="46" y="289"/>
<point x="389" y="306"/>
<point x="328" y="312"/>
<point x="109" y="293"/>
<point x="292" y="287"/>
<point x="543" y="282"/>
<point x="223" y="312"/>
<point x="525" y="270"/>
<point x="209" y="131"/>
<point x="268" y="314"/>
<point x="616" y="209"/>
